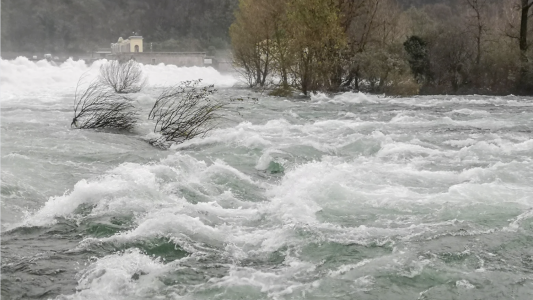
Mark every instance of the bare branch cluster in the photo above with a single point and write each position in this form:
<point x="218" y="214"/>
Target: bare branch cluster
<point x="102" y="104"/>
<point x="180" y="112"/>
<point x="183" y="112"/>
<point x="122" y="76"/>
<point x="99" y="107"/>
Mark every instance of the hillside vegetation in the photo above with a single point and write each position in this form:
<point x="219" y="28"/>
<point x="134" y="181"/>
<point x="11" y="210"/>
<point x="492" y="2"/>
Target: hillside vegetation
<point x="386" y="46"/>
<point x="63" y="26"/>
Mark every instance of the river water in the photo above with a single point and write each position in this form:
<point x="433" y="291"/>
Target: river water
<point x="352" y="196"/>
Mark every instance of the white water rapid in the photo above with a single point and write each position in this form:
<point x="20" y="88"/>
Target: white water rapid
<point x="352" y="196"/>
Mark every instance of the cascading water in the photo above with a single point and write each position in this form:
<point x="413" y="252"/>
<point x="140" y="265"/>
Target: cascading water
<point x="347" y="197"/>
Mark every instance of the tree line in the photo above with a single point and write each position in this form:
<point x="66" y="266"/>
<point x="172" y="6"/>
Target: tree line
<point x="383" y="46"/>
<point x="76" y="26"/>
<point x="386" y="46"/>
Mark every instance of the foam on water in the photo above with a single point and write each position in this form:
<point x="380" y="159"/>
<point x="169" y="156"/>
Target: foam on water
<point x="346" y="98"/>
<point x="43" y="79"/>
<point x="111" y="277"/>
<point x="332" y="185"/>
<point x="349" y="196"/>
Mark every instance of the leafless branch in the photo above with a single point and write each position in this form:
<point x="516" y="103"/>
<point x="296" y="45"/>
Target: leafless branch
<point x="183" y="112"/>
<point x="99" y="107"/>
<point x="122" y="77"/>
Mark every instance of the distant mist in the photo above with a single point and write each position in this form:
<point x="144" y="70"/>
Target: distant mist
<point x="72" y="26"/>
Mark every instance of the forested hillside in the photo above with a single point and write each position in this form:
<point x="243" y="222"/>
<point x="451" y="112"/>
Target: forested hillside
<point x="63" y="26"/>
<point x="67" y="26"/>
<point x="84" y="25"/>
<point x="386" y="46"/>
<point x="419" y="3"/>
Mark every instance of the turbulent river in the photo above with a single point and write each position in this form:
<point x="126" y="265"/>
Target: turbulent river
<point x="351" y="196"/>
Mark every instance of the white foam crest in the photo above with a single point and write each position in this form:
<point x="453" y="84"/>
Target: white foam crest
<point x="293" y="201"/>
<point x="398" y="149"/>
<point x="22" y="77"/>
<point x="465" y="284"/>
<point x="119" y="188"/>
<point x="266" y="158"/>
<point x="497" y="147"/>
<point x="221" y="219"/>
<point x="471" y="112"/>
<point x="180" y="228"/>
<point x="482" y="123"/>
<point x="275" y="283"/>
<point x="348" y="98"/>
<point x="16" y="156"/>
<point x="196" y="226"/>
<point x="489" y="193"/>
<point x="444" y="101"/>
<point x="134" y="187"/>
<point x="512" y="172"/>
<point x="365" y="271"/>
<point x="203" y="177"/>
<point x="383" y="232"/>
<point x="336" y="185"/>
<point x="349" y="188"/>
<point x="346" y="268"/>
<point x="252" y="242"/>
<point x="166" y="75"/>
<point x="406" y="119"/>
<point x="515" y="224"/>
<point x="313" y="186"/>
<point x="280" y="134"/>
<point x="460" y="143"/>
<point x="244" y="134"/>
<point x="113" y="277"/>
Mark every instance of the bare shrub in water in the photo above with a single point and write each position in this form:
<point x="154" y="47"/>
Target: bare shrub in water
<point x="122" y="76"/>
<point x="99" y="107"/>
<point x="183" y="112"/>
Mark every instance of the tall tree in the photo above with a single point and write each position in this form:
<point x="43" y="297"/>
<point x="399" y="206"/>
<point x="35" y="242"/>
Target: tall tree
<point x="526" y="70"/>
<point x="477" y="8"/>
<point x="251" y="38"/>
<point x="317" y="41"/>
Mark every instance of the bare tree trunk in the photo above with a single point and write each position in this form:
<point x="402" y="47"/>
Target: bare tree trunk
<point x="477" y="6"/>
<point x="523" y="25"/>
<point x="282" y="59"/>
<point x="479" y="32"/>
<point x="265" y="70"/>
<point x="525" y="5"/>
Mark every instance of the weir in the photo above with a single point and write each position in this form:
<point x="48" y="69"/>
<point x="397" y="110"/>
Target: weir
<point x="133" y="48"/>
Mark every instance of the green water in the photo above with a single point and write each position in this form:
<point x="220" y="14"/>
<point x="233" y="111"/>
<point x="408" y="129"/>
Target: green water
<point x="346" y="197"/>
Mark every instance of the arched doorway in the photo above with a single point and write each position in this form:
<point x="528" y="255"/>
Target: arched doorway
<point x="136" y="48"/>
